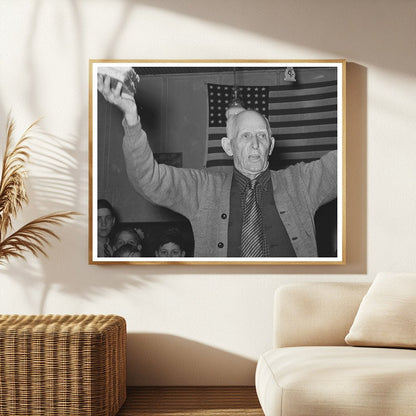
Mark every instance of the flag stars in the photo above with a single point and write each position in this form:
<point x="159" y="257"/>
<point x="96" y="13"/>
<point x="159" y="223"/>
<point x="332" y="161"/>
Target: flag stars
<point x="219" y="97"/>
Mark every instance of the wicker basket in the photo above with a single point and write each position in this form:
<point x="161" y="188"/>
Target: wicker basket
<point x="71" y="365"/>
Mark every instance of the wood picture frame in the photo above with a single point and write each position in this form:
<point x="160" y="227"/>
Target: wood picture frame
<point x="182" y="107"/>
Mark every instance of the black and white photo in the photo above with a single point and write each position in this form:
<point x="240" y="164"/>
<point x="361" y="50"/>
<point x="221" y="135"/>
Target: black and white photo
<point x="217" y="162"/>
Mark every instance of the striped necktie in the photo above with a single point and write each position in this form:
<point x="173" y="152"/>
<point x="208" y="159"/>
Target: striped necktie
<point x="252" y="229"/>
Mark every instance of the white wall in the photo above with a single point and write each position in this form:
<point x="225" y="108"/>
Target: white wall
<point x="204" y="324"/>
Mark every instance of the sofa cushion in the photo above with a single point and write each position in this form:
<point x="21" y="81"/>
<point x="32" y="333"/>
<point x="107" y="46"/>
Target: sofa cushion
<point x="304" y="381"/>
<point x="387" y="314"/>
<point x="315" y="313"/>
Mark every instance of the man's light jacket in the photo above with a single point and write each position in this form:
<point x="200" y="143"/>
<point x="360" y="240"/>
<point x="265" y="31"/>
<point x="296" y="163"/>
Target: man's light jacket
<point x="203" y="196"/>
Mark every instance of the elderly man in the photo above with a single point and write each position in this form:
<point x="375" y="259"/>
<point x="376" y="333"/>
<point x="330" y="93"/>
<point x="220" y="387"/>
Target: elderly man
<point x="251" y="212"/>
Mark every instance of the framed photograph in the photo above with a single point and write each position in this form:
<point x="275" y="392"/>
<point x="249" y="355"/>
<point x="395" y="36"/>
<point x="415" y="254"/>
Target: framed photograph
<point x="217" y="162"/>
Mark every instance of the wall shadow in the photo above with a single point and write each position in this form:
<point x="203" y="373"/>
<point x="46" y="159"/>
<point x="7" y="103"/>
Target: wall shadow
<point x="59" y="181"/>
<point x="53" y="187"/>
<point x="169" y="360"/>
<point x="313" y="24"/>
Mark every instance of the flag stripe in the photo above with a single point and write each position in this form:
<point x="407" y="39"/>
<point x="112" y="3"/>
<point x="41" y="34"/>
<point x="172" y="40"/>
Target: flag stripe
<point x="307" y="135"/>
<point x="301" y="92"/>
<point x="304" y="129"/>
<point x="303" y="104"/>
<point x="216" y="136"/>
<point x="215" y="149"/>
<point x="303" y="155"/>
<point x="309" y="97"/>
<point x="303" y="86"/>
<point x="299" y="123"/>
<point x="313" y="147"/>
<point x="302" y="110"/>
<point x="306" y="116"/>
<point x="217" y="130"/>
<point x="305" y="142"/>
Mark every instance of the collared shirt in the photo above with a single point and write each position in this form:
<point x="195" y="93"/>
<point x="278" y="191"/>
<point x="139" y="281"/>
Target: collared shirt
<point x="277" y="242"/>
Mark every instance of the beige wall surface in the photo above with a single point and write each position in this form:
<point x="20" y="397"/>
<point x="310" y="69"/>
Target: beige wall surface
<point x="196" y="325"/>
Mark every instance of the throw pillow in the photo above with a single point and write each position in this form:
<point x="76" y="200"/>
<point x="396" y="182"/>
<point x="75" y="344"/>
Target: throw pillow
<point x="387" y="314"/>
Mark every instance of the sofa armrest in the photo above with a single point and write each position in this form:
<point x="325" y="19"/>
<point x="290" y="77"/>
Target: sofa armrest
<point x="308" y="314"/>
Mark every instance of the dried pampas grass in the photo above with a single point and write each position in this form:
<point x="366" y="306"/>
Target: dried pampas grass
<point x="34" y="236"/>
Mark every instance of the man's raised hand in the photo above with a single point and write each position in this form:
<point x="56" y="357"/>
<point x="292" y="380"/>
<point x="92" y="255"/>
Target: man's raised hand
<point x="124" y="102"/>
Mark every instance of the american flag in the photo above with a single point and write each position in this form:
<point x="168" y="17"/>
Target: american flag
<point x="302" y="116"/>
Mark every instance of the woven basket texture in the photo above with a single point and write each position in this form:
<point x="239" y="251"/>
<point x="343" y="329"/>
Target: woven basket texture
<point x="54" y="365"/>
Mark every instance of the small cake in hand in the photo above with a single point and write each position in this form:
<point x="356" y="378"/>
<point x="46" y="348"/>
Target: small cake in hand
<point x="126" y="75"/>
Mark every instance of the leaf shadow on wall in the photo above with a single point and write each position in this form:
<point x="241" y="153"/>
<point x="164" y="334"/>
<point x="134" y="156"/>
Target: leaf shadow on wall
<point x="52" y="186"/>
<point x="59" y="180"/>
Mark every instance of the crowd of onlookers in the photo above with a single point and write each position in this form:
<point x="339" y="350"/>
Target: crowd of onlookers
<point x="118" y="240"/>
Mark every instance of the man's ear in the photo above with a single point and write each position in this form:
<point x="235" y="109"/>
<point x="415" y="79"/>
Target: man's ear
<point x="226" y="145"/>
<point x="271" y="145"/>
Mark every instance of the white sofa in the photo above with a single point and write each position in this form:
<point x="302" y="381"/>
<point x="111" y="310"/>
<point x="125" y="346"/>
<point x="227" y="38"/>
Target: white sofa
<point x="311" y="371"/>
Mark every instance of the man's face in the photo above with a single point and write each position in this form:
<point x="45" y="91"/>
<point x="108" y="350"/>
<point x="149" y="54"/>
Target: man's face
<point x="105" y="222"/>
<point x="250" y="144"/>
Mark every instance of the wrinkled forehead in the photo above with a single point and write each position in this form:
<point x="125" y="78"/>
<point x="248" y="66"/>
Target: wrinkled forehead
<point x="246" y="121"/>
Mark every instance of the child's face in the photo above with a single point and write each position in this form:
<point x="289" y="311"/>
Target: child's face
<point x="170" y="250"/>
<point x="126" y="237"/>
